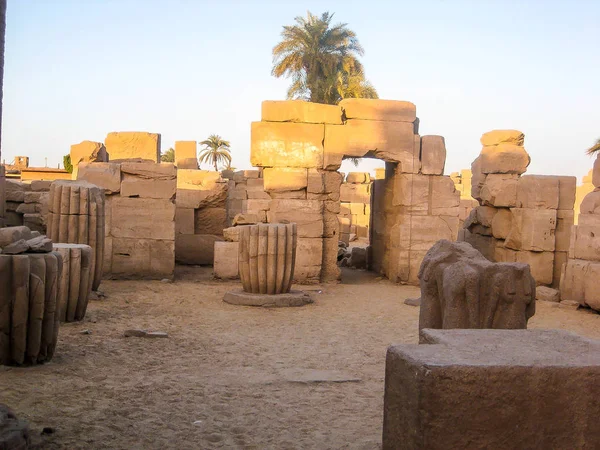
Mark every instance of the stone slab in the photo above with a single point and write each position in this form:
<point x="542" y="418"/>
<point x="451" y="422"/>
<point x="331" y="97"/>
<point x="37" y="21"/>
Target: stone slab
<point x="133" y="145"/>
<point x="300" y="111"/>
<point x="375" y="109"/>
<point x="292" y="298"/>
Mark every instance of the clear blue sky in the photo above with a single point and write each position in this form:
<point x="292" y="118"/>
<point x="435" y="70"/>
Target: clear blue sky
<point x="77" y="69"/>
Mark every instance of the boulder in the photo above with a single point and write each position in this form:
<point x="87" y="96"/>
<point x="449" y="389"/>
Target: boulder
<point x="504" y="158"/>
<point x="496" y="137"/>
<point x="547" y="294"/>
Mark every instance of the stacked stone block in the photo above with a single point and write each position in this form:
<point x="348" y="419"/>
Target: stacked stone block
<point x="300" y="147"/>
<point x="355" y="207"/>
<point x="580" y="273"/>
<point x="133" y="145"/>
<point x="523" y="219"/>
<point x="27" y="204"/>
<point x="139" y="217"/>
<point x="186" y="155"/>
<point x="87" y="151"/>
<point x="462" y="183"/>
<point x="200" y="216"/>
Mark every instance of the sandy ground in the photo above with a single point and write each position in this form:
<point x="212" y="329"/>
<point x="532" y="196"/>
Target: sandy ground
<point x="227" y="376"/>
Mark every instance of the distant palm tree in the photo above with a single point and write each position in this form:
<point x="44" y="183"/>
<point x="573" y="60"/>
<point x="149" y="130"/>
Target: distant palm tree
<point x="216" y="151"/>
<point x="321" y="59"/>
<point x="67" y="163"/>
<point x="594" y="148"/>
<point x="168" y="156"/>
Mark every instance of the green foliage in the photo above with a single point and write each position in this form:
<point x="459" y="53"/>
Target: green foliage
<point x="168" y="156"/>
<point x="67" y="163"/>
<point x="594" y="148"/>
<point x="216" y="151"/>
<point x="321" y="59"/>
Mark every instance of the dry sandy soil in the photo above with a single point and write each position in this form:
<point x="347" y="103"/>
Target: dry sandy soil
<point x="227" y="376"/>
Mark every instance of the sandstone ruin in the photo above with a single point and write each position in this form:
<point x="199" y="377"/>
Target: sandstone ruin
<point x="75" y="280"/>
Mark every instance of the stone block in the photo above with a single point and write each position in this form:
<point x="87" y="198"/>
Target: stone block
<point x="186" y="155"/>
<point x="564" y="222"/>
<point x="538" y="192"/>
<point x="237" y="193"/>
<point x="499" y="190"/>
<point x="541" y="265"/>
<point x="87" y="151"/>
<point x="309" y="256"/>
<point x="355" y="193"/>
<point x="502" y="223"/>
<point x="184" y="220"/>
<point x="444" y="199"/>
<point x="133" y="145"/>
<point x="532" y="229"/>
<point x="477" y="179"/>
<point x="285" y="179"/>
<point x="133" y="186"/>
<point x="580" y="283"/>
<point x="375" y="109"/>
<point x="585" y="243"/>
<point x="300" y="111"/>
<point x="104" y="175"/>
<point x="504" y="158"/>
<point x="287" y="145"/>
<point x="390" y="141"/>
<point x="150" y="171"/>
<point x="411" y="192"/>
<point x="560" y="259"/>
<point x="195" y="249"/>
<point x="40" y="185"/>
<point x="231" y="234"/>
<point x="226" y="256"/>
<point x="210" y="221"/>
<point x="468" y="389"/>
<point x="200" y="189"/>
<point x="255" y="205"/>
<point x="357" y="208"/>
<point x="330" y="272"/>
<point x="433" y="155"/>
<point x="591" y="203"/>
<point x="244" y="175"/>
<point x="296" y="195"/>
<point x="497" y="137"/>
<point x="596" y="172"/>
<point x="141" y="218"/>
<point x="141" y="258"/>
<point x="358" y="177"/>
<point x="310" y="224"/>
<point x="546" y="294"/>
<point x="567" y="187"/>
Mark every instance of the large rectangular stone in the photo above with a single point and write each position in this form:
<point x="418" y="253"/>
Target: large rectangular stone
<point x="184" y="220"/>
<point x="226" y="256"/>
<point x="284" y="178"/>
<point x="541" y="265"/>
<point x="133" y="186"/>
<point x="567" y="187"/>
<point x="300" y="111"/>
<point x="390" y="141"/>
<point x="499" y="190"/>
<point x="210" y="221"/>
<point x="186" y="154"/>
<point x="309" y="256"/>
<point x="287" y="145"/>
<point x="444" y="199"/>
<point x="150" y="171"/>
<point x="538" y="192"/>
<point x="532" y="229"/>
<point x="195" y="249"/>
<point x="142" y="218"/>
<point x="411" y="192"/>
<point x="200" y="188"/>
<point x="104" y="175"/>
<point x="457" y="393"/>
<point x="375" y="109"/>
<point x="355" y="193"/>
<point x="579" y="282"/>
<point x="433" y="155"/>
<point x="141" y="258"/>
<point x="564" y="222"/>
<point x="310" y="224"/>
<point x="133" y="145"/>
<point x="585" y="243"/>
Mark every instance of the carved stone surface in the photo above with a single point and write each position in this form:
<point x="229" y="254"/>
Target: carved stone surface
<point x="29" y="291"/>
<point x="75" y="281"/>
<point x="76" y="216"/>
<point x="460" y="288"/>
<point x="267" y="257"/>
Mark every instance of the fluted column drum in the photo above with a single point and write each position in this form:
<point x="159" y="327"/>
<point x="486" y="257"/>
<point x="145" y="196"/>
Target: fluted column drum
<point x="75" y="281"/>
<point x="267" y="257"/>
<point x="76" y="216"/>
<point x="28" y="307"/>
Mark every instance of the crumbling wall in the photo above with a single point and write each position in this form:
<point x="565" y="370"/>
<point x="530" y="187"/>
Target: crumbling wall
<point x="300" y="147"/>
<point x="524" y="219"/>
<point x="462" y="183"/>
<point x="27" y="204"/>
<point x="355" y="207"/>
<point x="139" y="217"/>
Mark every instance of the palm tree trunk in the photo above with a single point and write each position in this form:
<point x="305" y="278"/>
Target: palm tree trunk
<point x="215" y="162"/>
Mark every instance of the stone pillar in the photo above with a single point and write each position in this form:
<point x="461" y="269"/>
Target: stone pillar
<point x="2" y="37"/>
<point x="29" y="318"/>
<point x="267" y="254"/>
<point x="75" y="281"/>
<point x="76" y="216"/>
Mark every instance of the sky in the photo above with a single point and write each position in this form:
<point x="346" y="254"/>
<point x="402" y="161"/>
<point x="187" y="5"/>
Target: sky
<point x="78" y="69"/>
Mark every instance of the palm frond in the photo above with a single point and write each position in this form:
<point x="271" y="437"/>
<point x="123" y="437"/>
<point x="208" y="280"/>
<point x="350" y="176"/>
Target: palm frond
<point x="594" y="148"/>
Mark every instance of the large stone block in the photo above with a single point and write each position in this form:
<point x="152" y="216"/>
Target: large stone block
<point x="538" y="192"/>
<point x="499" y="190"/>
<point x="585" y="243"/>
<point x="355" y="193"/>
<point x="195" y="249"/>
<point x="560" y="260"/>
<point x="433" y="155"/>
<point x="133" y="145"/>
<point x="186" y="155"/>
<point x="87" y="151"/>
<point x="104" y="175"/>
<point x="411" y="192"/>
<point x="532" y="229"/>
<point x="390" y="141"/>
<point x="285" y="179"/>
<point x="579" y="282"/>
<point x="310" y="224"/>
<point x="141" y="258"/>
<point x="133" y="186"/>
<point x="591" y="203"/>
<point x="226" y="256"/>
<point x="504" y="158"/>
<point x="444" y="199"/>
<point x="541" y="265"/>
<point x="150" y="171"/>
<point x="496" y="137"/>
<point x="210" y="221"/>
<point x="567" y="190"/>
<point x="374" y="109"/>
<point x="287" y="145"/>
<point x="141" y="218"/>
<point x="309" y="256"/>
<point x="200" y="189"/>
<point x="184" y="220"/>
<point x="502" y="223"/>
<point x="564" y="222"/>
<point x="300" y="111"/>
<point x="469" y="389"/>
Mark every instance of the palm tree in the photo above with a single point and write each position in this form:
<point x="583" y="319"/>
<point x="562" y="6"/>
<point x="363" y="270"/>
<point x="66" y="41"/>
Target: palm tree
<point x="168" y="156"/>
<point x="215" y="151"/>
<point x="322" y="61"/>
<point x="67" y="164"/>
<point x="594" y="148"/>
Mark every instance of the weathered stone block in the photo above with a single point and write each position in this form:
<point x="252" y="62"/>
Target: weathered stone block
<point x="499" y="190"/>
<point x="411" y="191"/>
<point x="502" y="223"/>
<point x="226" y="256"/>
<point x="200" y="189"/>
<point x="567" y="189"/>
<point x="497" y="137"/>
<point x="532" y="229"/>
<point x="300" y="111"/>
<point x="477" y="179"/>
<point x="504" y="158"/>
<point x="141" y="258"/>
<point x="580" y="282"/>
<point x="541" y="265"/>
<point x="309" y="255"/>
<point x="546" y="294"/>
<point x="285" y="179"/>
<point x="585" y="243"/>
<point x="132" y="145"/>
<point x="133" y="186"/>
<point x="433" y="155"/>
<point x="444" y="199"/>
<point x="564" y="222"/>
<point x="591" y="203"/>
<point x="150" y="171"/>
<point x="355" y="193"/>
<point x="140" y="218"/>
<point x="87" y="151"/>
<point x="210" y="221"/>
<point x="231" y="234"/>
<point x="186" y="155"/>
<point x="196" y="249"/>
<point x="538" y="192"/>
<point x="287" y="145"/>
<point x="104" y="175"/>
<point x="375" y="109"/>
<point x="184" y="220"/>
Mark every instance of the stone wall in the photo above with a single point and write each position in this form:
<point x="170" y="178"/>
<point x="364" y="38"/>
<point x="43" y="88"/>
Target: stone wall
<point x="27" y="204"/>
<point x="301" y="146"/>
<point x="355" y="207"/>
<point x="140" y="217"/>
<point x="201" y="215"/>
<point x="462" y="183"/>
<point x="524" y="219"/>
